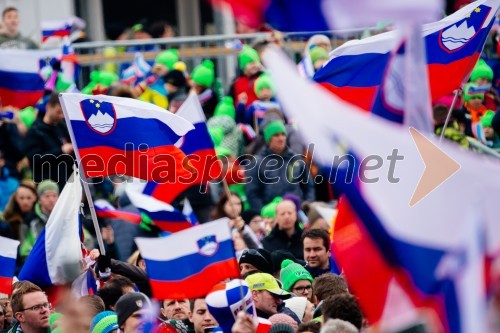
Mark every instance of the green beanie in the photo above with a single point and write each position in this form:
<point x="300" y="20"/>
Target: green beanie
<point x="264" y="81"/>
<point x="292" y="272"/>
<point x="318" y="53"/>
<point x="273" y="128"/>
<point x="204" y="74"/>
<point x="487" y="118"/>
<point x="269" y="210"/>
<point x="217" y="134"/>
<point x="28" y="116"/>
<point x="167" y="58"/>
<point x="222" y="151"/>
<point x="47" y="185"/>
<point x="225" y="108"/>
<point x="247" y="56"/>
<point x="481" y="71"/>
<point x="469" y="92"/>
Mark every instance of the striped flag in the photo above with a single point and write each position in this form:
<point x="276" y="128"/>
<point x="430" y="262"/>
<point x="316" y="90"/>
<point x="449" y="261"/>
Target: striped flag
<point x="8" y="256"/>
<point x="189" y="263"/>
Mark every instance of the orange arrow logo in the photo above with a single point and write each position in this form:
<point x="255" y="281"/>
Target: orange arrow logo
<point x="438" y="166"/>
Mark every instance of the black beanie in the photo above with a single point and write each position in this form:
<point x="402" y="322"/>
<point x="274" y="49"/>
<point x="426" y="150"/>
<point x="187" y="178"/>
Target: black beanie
<point x="130" y="303"/>
<point x="175" y="78"/>
<point x="248" y="215"/>
<point x="260" y="259"/>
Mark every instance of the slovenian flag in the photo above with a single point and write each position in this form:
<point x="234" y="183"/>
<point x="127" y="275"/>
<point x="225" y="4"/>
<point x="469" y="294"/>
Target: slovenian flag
<point x="189" y="263"/>
<point x="163" y="215"/>
<point x="453" y="46"/>
<point x="198" y="147"/>
<point x="57" y="253"/>
<point x="424" y="256"/>
<point x="106" y="210"/>
<point x="114" y="135"/>
<point x="23" y="74"/>
<point x="8" y="256"/>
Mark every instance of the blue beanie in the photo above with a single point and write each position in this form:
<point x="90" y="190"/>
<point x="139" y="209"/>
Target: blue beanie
<point x="104" y="322"/>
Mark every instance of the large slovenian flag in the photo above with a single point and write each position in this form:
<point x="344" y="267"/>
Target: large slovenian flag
<point x="106" y="210"/>
<point x="429" y="253"/>
<point x="163" y="215"/>
<point x="22" y="75"/>
<point x="453" y="46"/>
<point x="124" y="136"/>
<point x="189" y="263"/>
<point x="57" y="252"/>
<point x="8" y="256"/>
<point x="198" y="147"/>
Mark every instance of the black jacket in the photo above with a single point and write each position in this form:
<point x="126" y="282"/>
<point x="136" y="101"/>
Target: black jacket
<point x="278" y="240"/>
<point x="134" y="273"/>
<point x="10" y="144"/>
<point x="43" y="145"/>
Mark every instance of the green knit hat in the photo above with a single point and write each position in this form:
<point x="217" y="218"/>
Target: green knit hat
<point x="167" y="58"/>
<point x="222" y="151"/>
<point x="291" y="273"/>
<point x="225" y="108"/>
<point x="269" y="210"/>
<point x="217" y="134"/>
<point x="247" y="56"/>
<point x="487" y="118"/>
<point x="47" y="185"/>
<point x="468" y="92"/>
<point x="273" y="128"/>
<point x="318" y="53"/>
<point x="104" y="322"/>
<point x="264" y="81"/>
<point x="28" y="116"/>
<point x="104" y="78"/>
<point x="204" y="74"/>
<point x="481" y="71"/>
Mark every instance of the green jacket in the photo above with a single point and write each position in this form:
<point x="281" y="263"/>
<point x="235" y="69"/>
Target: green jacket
<point x="16" y="42"/>
<point x="32" y="230"/>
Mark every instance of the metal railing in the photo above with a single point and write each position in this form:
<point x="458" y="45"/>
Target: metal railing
<point x="192" y="50"/>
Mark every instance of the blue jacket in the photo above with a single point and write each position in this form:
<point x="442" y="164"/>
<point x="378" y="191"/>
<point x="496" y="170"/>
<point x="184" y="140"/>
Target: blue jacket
<point x="8" y="185"/>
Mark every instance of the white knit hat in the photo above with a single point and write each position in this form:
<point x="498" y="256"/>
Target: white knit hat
<point x="297" y="305"/>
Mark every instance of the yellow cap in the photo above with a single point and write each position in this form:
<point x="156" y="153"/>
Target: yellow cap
<point x="264" y="281"/>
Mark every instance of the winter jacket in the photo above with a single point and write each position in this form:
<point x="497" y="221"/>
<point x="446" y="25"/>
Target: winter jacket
<point x="10" y="144"/>
<point x="244" y="84"/>
<point x="16" y="42"/>
<point x="32" y="227"/>
<point x="279" y="240"/>
<point x="43" y="145"/>
<point x="275" y="175"/>
<point x="8" y="186"/>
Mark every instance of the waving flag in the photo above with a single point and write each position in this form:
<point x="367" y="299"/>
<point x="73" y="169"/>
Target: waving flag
<point x="163" y="215"/>
<point x="189" y="263"/>
<point x="60" y="28"/>
<point x="23" y="74"/>
<point x="188" y="212"/>
<point x="85" y="284"/>
<point x="139" y="69"/>
<point x="106" y="210"/>
<point x="198" y="147"/>
<point x="453" y="46"/>
<point x="289" y="15"/>
<point x="426" y="235"/>
<point x="116" y="135"/>
<point x="57" y="252"/>
<point x="8" y="256"/>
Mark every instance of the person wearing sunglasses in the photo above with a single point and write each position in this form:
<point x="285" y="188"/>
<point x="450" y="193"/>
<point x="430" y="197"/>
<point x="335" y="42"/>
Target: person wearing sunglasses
<point x="31" y="308"/>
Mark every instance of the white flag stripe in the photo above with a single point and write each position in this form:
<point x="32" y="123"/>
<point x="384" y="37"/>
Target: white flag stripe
<point x="8" y="247"/>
